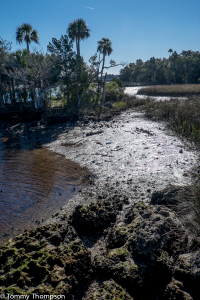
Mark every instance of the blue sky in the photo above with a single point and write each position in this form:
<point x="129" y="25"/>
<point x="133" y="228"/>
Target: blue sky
<point x="137" y="29"/>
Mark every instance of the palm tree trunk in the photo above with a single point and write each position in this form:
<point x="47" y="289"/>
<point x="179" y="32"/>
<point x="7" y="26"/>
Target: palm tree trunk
<point x="104" y="84"/>
<point x="103" y="66"/>
<point x="76" y="46"/>
<point x="78" y="50"/>
<point x="102" y="72"/>
<point x="27" y="44"/>
<point x="98" y="82"/>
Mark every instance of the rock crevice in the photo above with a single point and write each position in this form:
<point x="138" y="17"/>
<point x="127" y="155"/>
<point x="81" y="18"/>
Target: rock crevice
<point x="97" y="252"/>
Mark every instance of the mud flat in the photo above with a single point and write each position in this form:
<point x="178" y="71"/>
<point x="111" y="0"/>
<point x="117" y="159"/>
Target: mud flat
<point x="129" y="152"/>
<point x="133" y="233"/>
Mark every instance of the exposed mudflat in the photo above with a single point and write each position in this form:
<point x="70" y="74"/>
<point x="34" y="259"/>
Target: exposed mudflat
<point x="134" y="154"/>
<point x="103" y="245"/>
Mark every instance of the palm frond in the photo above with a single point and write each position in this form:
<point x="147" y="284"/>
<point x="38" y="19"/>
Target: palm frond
<point x="34" y="36"/>
<point x="26" y="33"/>
<point x="78" y="30"/>
<point x="104" y="46"/>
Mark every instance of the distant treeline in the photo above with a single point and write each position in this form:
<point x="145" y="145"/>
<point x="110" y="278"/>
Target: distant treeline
<point x="178" y="68"/>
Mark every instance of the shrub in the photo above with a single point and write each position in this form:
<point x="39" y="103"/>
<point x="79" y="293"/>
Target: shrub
<point x="119" y="82"/>
<point x="113" y="92"/>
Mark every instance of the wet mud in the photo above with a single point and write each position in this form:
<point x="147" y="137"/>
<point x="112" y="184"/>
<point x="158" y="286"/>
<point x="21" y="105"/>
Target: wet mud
<point x="132" y="154"/>
<point x="132" y="233"/>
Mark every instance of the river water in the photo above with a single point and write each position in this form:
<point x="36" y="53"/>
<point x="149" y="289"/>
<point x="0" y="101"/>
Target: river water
<point x="38" y="174"/>
<point x="34" y="183"/>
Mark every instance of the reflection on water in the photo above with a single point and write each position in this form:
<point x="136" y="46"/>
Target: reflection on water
<point x="33" y="185"/>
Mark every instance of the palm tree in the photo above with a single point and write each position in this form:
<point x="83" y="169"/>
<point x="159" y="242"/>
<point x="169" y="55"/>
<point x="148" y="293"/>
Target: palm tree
<point x="170" y="51"/>
<point x="26" y="33"/>
<point x="78" y="30"/>
<point x="104" y="47"/>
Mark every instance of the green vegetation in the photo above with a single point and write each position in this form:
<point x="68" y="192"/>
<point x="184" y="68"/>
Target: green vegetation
<point x="26" y="33"/>
<point x="58" y="78"/>
<point x="20" y="261"/>
<point x="122" y="105"/>
<point x="183" y="115"/>
<point x="113" y="92"/>
<point x="118" y="252"/>
<point x="177" y="69"/>
<point x="111" y="290"/>
<point x="77" y="31"/>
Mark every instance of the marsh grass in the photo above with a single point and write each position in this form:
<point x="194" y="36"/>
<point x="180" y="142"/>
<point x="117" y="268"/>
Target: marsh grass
<point x="176" y="90"/>
<point x="183" y="116"/>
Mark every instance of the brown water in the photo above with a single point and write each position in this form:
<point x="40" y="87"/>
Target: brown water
<point x="34" y="184"/>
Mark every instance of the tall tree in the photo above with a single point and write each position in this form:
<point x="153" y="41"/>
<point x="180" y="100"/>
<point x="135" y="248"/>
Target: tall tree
<point x="26" y="33"/>
<point x="78" y="30"/>
<point x="104" y="47"/>
<point x="170" y="51"/>
<point x="74" y="77"/>
<point x="63" y="50"/>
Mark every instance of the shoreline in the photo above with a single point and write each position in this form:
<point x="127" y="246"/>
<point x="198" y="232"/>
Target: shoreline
<point x="110" y="247"/>
<point x="102" y="244"/>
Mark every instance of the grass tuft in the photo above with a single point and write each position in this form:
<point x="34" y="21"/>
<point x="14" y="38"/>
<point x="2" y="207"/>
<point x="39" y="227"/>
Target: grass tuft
<point x="175" y="90"/>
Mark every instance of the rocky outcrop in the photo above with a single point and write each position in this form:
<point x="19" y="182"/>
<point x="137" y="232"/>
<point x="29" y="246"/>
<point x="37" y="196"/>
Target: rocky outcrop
<point x="107" y="250"/>
<point x="49" y="260"/>
<point x="92" y="219"/>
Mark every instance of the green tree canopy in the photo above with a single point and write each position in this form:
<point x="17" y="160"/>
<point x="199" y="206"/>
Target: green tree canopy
<point x="105" y="48"/>
<point x="178" y="68"/>
<point x="25" y="33"/>
<point x="78" y="30"/>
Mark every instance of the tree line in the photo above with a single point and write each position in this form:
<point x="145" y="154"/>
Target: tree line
<point x="177" y="69"/>
<point x="30" y="76"/>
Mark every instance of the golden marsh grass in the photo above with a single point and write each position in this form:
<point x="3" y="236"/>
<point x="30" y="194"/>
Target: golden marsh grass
<point x="175" y="90"/>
